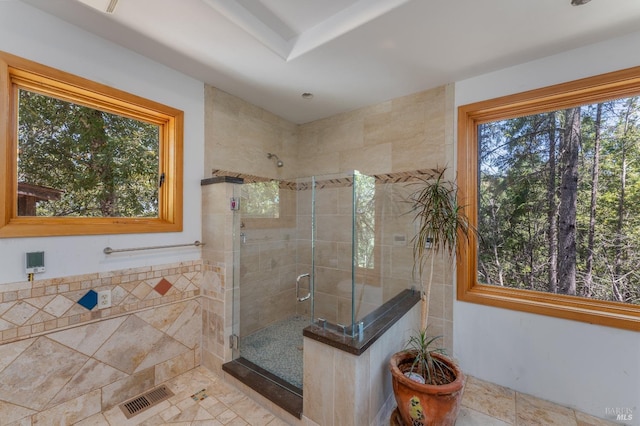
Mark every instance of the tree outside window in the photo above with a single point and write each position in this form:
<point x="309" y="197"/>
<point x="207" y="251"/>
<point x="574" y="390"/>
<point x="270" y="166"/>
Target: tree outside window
<point x="81" y="158"/>
<point x="551" y="179"/>
<point x="102" y="164"/>
<point x="559" y="201"/>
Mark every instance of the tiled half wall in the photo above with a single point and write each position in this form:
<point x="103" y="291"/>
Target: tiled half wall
<point x="61" y="360"/>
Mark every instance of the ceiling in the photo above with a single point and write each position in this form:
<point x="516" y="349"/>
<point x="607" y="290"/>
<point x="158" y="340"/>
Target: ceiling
<point x="347" y="53"/>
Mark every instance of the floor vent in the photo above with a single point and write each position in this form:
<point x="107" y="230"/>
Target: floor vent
<point x="145" y="401"/>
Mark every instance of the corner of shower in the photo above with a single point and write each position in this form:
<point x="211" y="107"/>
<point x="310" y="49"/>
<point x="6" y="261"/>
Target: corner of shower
<point x="316" y="250"/>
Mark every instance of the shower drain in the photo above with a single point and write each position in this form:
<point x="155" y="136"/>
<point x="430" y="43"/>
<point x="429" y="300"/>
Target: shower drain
<point x="145" y="401"/>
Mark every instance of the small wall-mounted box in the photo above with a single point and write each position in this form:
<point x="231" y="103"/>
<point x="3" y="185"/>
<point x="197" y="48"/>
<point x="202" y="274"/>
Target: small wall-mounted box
<point x="35" y="262"/>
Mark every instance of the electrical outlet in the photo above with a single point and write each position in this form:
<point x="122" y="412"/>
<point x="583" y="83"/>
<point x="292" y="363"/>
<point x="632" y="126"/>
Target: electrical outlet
<point x="104" y="299"/>
<point x="427" y="243"/>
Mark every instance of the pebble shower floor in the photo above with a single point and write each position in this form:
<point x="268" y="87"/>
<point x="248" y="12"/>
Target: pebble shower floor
<point x="278" y="348"/>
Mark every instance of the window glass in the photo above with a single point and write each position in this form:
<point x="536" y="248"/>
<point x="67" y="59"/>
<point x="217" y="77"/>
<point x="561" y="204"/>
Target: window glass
<point x="559" y="202"/>
<point x="82" y="158"/>
<point x="75" y="160"/>
<point x="551" y="179"/>
<point x="365" y="216"/>
<point x="260" y="200"/>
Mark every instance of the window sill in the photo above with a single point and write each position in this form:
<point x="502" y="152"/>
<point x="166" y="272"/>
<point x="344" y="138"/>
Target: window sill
<point x="611" y="314"/>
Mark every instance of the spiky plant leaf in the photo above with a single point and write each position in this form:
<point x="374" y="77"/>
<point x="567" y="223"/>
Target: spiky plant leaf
<point x="441" y="223"/>
<point x="441" y="220"/>
<point x="432" y="369"/>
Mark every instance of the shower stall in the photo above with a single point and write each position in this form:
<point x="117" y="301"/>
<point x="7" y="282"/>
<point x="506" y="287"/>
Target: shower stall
<point x="325" y="249"/>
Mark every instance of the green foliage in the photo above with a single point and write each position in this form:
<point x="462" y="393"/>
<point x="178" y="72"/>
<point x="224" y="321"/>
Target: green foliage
<point x="432" y="369"/>
<point x="365" y="219"/>
<point x="261" y="200"/>
<point x="441" y="223"/>
<point x="107" y="165"/>
<point x="519" y="158"/>
<point x="440" y="219"/>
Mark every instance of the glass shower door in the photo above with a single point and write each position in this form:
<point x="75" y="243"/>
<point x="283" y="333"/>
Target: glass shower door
<point x="270" y="320"/>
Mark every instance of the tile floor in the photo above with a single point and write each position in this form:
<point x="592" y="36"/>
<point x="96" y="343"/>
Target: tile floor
<point x="484" y="404"/>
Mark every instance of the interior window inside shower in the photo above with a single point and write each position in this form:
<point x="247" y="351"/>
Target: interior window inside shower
<point x="267" y="203"/>
<point x="260" y="200"/>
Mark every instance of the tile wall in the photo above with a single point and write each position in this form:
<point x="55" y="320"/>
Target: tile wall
<point x="403" y="134"/>
<point x="238" y="136"/>
<point x="267" y="277"/>
<point x="353" y="390"/>
<point x="218" y="269"/>
<point x="392" y="269"/>
<point x="333" y="279"/>
<point x="65" y="360"/>
<point x="408" y="133"/>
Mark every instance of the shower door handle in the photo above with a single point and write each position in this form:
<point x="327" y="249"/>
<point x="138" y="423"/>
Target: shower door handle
<point x="302" y="299"/>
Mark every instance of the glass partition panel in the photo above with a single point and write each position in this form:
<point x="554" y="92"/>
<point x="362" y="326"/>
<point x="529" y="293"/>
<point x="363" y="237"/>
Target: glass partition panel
<point x="383" y="230"/>
<point x="333" y="248"/>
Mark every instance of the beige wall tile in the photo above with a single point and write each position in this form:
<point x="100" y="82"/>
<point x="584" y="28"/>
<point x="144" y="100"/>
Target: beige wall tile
<point x="13" y="414"/>
<point x="126" y="388"/>
<point x="8" y="353"/>
<point x="319" y="389"/>
<point x="352" y="388"/>
<point x="174" y="367"/>
<point x="318" y="165"/>
<point x="211" y="361"/>
<point x="236" y="131"/>
<point x="71" y="411"/>
<point x="368" y="160"/>
<point x="326" y="306"/>
<point x="334" y="228"/>
<point x="82" y="340"/>
<point x="93" y="375"/>
<point x="32" y="383"/>
<point x="326" y="202"/>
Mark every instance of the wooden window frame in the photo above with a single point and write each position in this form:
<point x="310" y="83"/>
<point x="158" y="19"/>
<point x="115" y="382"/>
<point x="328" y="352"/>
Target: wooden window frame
<point x="15" y="73"/>
<point x="590" y="90"/>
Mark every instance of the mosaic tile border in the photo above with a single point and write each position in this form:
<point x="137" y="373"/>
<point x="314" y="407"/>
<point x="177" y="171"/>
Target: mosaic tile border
<point x="396" y="177"/>
<point x="29" y="309"/>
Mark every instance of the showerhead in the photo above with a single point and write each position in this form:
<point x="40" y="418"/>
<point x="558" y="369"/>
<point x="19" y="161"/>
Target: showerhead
<point x="279" y="162"/>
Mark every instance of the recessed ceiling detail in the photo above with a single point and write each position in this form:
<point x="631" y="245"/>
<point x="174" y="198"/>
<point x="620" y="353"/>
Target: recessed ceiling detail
<point x="107" y="6"/>
<point x="301" y="29"/>
<point x="349" y="53"/>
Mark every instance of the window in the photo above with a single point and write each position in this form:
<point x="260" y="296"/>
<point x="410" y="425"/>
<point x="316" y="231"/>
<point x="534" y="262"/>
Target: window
<point x="267" y="203"/>
<point x="260" y="200"/>
<point x="82" y="158"/>
<point x="551" y="180"/>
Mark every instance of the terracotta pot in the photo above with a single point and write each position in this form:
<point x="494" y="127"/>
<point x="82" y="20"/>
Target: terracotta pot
<point x="424" y="404"/>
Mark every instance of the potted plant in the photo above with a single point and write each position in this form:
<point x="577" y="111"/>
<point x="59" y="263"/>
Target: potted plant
<point x="427" y="384"/>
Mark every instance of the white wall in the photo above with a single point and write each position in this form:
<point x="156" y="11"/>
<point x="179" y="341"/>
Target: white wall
<point x="587" y="367"/>
<point x="31" y="34"/>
